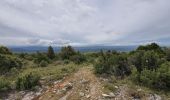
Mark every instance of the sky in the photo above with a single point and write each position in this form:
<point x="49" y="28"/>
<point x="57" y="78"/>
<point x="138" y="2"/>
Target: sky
<point x="84" y="22"/>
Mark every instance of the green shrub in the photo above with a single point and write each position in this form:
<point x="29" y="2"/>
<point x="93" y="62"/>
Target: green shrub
<point x="4" y="84"/>
<point x="150" y="60"/>
<point x="135" y="76"/>
<point x="148" y="78"/>
<point x="157" y="79"/>
<point x="164" y="76"/>
<point x="43" y="63"/>
<point x="109" y="63"/>
<point x="27" y="81"/>
<point x="66" y="61"/>
<point x="9" y="61"/>
<point x="4" y="50"/>
<point x="38" y="57"/>
<point x="78" y="58"/>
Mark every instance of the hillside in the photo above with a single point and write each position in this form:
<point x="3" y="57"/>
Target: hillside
<point x="142" y="74"/>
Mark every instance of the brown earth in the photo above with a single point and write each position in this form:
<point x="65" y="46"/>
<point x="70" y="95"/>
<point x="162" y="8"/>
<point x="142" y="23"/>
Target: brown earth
<point x="84" y="86"/>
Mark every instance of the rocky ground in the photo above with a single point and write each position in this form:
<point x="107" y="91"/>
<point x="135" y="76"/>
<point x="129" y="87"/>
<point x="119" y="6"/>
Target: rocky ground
<point x="82" y="85"/>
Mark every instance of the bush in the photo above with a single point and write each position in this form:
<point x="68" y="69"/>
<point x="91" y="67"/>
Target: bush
<point x="121" y="66"/>
<point x="78" y="58"/>
<point x="150" y="60"/>
<point x="112" y="64"/>
<point x="4" y="50"/>
<point x="164" y="76"/>
<point x="43" y="63"/>
<point x="146" y="60"/>
<point x="4" y="84"/>
<point x="38" y="57"/>
<point x="148" y="77"/>
<point x="157" y="79"/>
<point x="7" y="62"/>
<point x="136" y="60"/>
<point x="27" y="81"/>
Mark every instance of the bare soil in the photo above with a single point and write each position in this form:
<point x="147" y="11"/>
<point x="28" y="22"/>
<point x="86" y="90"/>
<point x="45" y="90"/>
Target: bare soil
<point x="85" y="86"/>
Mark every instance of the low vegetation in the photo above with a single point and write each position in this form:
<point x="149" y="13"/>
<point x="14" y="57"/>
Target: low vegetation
<point x="27" y="81"/>
<point x="147" y="66"/>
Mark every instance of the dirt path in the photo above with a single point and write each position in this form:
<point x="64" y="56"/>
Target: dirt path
<point x="82" y="85"/>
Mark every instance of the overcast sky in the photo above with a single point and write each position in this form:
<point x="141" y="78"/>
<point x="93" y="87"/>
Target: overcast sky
<point x="84" y="22"/>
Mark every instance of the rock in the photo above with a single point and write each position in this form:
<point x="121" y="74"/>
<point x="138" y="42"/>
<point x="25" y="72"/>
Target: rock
<point x="105" y="95"/>
<point x="84" y="81"/>
<point x="139" y="90"/>
<point x="116" y="87"/>
<point x="22" y="92"/>
<point x="68" y="86"/>
<point x="29" y="96"/>
<point x="81" y="94"/>
<point x="111" y="94"/>
<point x="155" y="97"/>
<point x="54" y="91"/>
<point x="87" y="96"/>
<point x="56" y="82"/>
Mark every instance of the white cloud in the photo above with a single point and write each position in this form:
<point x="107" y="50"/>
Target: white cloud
<point x="41" y="22"/>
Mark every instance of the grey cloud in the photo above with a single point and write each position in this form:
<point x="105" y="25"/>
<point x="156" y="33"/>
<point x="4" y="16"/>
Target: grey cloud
<point x="41" y="22"/>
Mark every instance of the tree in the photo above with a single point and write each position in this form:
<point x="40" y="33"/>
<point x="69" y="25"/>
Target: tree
<point x="51" y="53"/>
<point x="67" y="52"/>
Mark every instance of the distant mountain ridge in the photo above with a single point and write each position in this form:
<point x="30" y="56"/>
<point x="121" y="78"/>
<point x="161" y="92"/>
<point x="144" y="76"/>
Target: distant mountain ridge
<point x="32" y="49"/>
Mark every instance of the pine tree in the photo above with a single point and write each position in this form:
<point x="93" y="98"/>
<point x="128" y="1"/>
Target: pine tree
<point x="51" y="53"/>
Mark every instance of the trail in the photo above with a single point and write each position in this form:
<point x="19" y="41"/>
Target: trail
<point x="82" y="85"/>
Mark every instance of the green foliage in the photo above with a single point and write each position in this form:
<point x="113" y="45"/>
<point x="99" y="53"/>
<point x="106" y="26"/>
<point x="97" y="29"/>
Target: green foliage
<point x="66" y="61"/>
<point x="27" y="81"/>
<point x="50" y="53"/>
<point x="158" y="79"/>
<point x="67" y="52"/>
<point x="121" y="66"/>
<point x="4" y="84"/>
<point x="164" y="76"/>
<point x="145" y="59"/>
<point x="148" y="77"/>
<point x="136" y="60"/>
<point x="109" y="63"/>
<point x="7" y="62"/>
<point x="78" y="58"/>
<point x="5" y="50"/>
<point x="150" y="60"/>
<point x="152" y="46"/>
<point x="43" y="63"/>
<point x="40" y="57"/>
<point x="103" y="64"/>
<point x="167" y="54"/>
